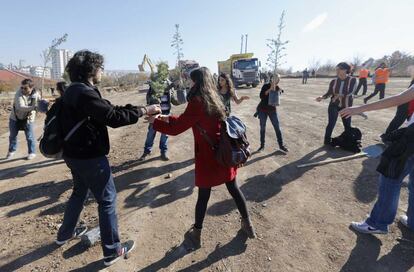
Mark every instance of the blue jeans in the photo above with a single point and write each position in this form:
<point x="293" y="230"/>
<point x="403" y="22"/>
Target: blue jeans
<point x="275" y="122"/>
<point x="95" y="175"/>
<point x="31" y="142"/>
<point x="149" y="142"/>
<point x="333" y="112"/>
<point x="385" y="209"/>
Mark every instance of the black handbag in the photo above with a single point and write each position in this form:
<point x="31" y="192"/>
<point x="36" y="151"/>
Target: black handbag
<point x="21" y="124"/>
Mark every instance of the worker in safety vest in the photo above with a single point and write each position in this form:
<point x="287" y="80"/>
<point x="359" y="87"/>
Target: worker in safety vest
<point x="382" y="74"/>
<point x="363" y="75"/>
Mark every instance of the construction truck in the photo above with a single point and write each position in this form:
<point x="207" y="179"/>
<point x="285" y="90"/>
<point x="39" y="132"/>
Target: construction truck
<point x="146" y="60"/>
<point x="242" y="68"/>
<point x="186" y="66"/>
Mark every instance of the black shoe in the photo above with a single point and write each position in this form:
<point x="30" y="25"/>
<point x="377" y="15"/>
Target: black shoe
<point x="164" y="157"/>
<point x="144" y="156"/>
<point x="365" y="100"/>
<point x="283" y="148"/>
<point x="79" y="231"/>
<point x="125" y="249"/>
<point x="261" y="148"/>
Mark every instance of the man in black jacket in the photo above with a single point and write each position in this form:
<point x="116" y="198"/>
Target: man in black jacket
<point x="85" y="151"/>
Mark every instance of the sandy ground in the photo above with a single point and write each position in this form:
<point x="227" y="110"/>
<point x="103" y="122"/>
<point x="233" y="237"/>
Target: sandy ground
<point x="302" y="216"/>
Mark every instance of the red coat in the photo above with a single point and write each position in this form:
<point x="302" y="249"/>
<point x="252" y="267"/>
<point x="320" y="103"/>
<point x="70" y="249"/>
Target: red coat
<point x="208" y="172"/>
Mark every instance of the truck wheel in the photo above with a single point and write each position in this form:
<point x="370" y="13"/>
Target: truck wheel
<point x="254" y="85"/>
<point x="248" y="85"/>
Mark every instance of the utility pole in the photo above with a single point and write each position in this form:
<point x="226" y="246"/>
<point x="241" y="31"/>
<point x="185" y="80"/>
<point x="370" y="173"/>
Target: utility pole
<point x="241" y="47"/>
<point x="245" y="50"/>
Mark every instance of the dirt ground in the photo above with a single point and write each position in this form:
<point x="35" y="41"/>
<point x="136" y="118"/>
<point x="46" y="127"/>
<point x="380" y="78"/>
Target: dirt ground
<point x="302" y="216"/>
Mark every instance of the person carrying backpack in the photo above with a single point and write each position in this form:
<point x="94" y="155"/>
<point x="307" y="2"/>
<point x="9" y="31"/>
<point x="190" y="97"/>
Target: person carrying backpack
<point x="397" y="162"/>
<point x="205" y="113"/>
<point x="340" y="92"/>
<point x="85" y="151"/>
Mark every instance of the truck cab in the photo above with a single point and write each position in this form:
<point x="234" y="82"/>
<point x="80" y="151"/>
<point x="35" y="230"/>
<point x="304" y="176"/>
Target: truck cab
<point x="242" y="68"/>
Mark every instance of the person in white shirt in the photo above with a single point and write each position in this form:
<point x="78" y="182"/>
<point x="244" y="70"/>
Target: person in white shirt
<point x="22" y="117"/>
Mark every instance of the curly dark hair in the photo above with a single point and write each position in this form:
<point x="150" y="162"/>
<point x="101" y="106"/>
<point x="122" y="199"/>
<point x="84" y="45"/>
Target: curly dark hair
<point x="84" y="65"/>
<point x="229" y="84"/>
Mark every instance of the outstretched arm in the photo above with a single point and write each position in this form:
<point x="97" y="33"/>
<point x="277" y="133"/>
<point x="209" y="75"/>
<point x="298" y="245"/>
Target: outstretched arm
<point x="389" y="102"/>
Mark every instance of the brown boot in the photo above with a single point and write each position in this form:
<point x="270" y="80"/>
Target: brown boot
<point x="247" y="227"/>
<point x="193" y="235"/>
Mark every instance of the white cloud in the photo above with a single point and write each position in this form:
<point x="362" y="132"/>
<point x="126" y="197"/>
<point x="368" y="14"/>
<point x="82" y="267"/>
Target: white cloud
<point x="315" y="23"/>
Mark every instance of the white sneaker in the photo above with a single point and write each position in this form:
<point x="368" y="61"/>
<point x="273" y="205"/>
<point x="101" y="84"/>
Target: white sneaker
<point x="404" y="220"/>
<point x="9" y="155"/>
<point x="363" y="227"/>
<point x="31" y="156"/>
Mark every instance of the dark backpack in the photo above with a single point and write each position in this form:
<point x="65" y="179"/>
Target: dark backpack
<point x="232" y="149"/>
<point x="52" y="139"/>
<point x="349" y="140"/>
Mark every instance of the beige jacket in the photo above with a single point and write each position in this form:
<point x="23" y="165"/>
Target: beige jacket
<point x="24" y="106"/>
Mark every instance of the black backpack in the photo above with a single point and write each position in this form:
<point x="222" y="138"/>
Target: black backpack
<point x="52" y="139"/>
<point x="232" y="149"/>
<point x="349" y="140"/>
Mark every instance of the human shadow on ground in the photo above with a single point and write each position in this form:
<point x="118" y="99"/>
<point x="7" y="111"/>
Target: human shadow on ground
<point x="50" y="190"/>
<point x="364" y="256"/>
<point x="263" y="187"/>
<point x="365" y="186"/>
<point x="29" y="257"/>
<point x="26" y="169"/>
<point x="235" y="247"/>
<point x="5" y="160"/>
<point x="160" y="195"/>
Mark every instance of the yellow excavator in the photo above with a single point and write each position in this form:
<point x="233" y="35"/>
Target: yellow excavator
<point x="146" y="60"/>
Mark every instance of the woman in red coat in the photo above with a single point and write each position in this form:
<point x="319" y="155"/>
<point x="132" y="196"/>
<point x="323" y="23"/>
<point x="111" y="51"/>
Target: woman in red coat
<point x="205" y="109"/>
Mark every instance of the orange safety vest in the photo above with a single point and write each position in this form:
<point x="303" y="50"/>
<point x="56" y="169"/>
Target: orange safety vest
<point x="382" y="75"/>
<point x="363" y="73"/>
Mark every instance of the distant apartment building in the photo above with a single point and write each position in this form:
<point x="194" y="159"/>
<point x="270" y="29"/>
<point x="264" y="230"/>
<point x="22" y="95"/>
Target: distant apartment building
<point x="60" y="58"/>
<point x="38" y="71"/>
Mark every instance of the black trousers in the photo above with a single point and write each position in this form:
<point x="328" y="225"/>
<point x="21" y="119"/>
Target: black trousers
<point x="333" y="112"/>
<point x="379" y="88"/>
<point x="362" y="83"/>
<point x="204" y="196"/>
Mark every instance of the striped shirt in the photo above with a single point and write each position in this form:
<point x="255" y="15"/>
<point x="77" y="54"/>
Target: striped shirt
<point x="341" y="91"/>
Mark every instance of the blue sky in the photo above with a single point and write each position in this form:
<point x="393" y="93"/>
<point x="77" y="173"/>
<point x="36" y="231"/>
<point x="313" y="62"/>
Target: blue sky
<point x="123" y="31"/>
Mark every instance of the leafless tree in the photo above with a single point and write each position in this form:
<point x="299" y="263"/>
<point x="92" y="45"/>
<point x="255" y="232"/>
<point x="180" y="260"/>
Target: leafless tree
<point x="177" y="43"/>
<point x="46" y="55"/>
<point x="277" y="46"/>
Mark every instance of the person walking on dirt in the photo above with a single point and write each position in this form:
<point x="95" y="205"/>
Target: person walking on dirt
<point x="228" y="93"/>
<point x="382" y="74"/>
<point x="160" y="92"/>
<point x="85" y="152"/>
<point x="205" y="110"/>
<point x="264" y="111"/>
<point x="313" y="73"/>
<point x="397" y="162"/>
<point x="403" y="113"/>
<point x="305" y="76"/>
<point x="363" y="76"/>
<point x="340" y="92"/>
<point x="22" y="117"/>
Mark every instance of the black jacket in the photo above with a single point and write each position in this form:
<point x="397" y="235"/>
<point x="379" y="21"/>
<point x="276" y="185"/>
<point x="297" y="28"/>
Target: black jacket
<point x="91" y="140"/>
<point x="264" y="99"/>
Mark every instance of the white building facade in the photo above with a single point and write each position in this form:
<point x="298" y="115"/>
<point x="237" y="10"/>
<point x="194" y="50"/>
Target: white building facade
<point x="60" y="58"/>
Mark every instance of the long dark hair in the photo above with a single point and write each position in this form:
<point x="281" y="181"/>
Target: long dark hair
<point x="205" y="88"/>
<point x="229" y="84"/>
